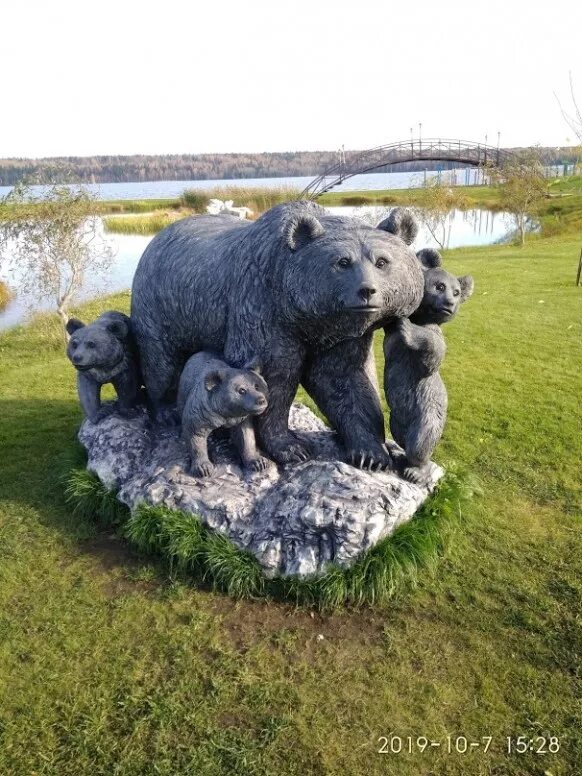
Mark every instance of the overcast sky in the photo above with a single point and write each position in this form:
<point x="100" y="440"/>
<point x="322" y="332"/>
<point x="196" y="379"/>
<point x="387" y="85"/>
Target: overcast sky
<point x="123" y="77"/>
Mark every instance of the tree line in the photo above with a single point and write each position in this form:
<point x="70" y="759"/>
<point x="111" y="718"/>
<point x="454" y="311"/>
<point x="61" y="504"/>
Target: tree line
<point x="186" y="167"/>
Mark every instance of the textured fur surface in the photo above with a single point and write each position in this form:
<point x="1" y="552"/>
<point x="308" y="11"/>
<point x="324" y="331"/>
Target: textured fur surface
<point x="212" y="395"/>
<point x="413" y="352"/>
<point x="299" y="288"/>
<point x="104" y="352"/>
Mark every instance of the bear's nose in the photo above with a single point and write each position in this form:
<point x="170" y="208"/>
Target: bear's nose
<point x="366" y="292"/>
<point x="77" y="359"/>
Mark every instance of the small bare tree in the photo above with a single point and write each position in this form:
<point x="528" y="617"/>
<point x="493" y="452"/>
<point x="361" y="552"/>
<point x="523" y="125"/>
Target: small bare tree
<point x="435" y="204"/>
<point x="574" y="118"/>
<point x="523" y="187"/>
<point x="51" y="240"/>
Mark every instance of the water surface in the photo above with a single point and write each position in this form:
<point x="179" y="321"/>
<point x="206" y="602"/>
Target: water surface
<point x="471" y="227"/>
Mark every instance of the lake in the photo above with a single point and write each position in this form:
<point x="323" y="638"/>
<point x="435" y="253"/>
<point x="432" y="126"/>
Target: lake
<point x="376" y="181"/>
<point x="462" y="228"/>
<point x="370" y="181"/>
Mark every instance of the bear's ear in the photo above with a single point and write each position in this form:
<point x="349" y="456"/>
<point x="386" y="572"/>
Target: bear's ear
<point x="214" y="379"/>
<point x="429" y="258"/>
<point x="467" y="287"/>
<point x="402" y="223"/>
<point x="301" y="229"/>
<point x="254" y="365"/>
<point x="73" y="324"/>
<point x="118" y="328"/>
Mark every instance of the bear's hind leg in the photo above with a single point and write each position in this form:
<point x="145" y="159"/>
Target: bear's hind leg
<point x="159" y="372"/>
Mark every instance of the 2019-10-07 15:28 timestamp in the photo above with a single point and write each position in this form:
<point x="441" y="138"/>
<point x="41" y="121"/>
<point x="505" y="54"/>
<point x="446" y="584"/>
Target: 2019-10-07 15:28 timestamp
<point x="512" y="745"/>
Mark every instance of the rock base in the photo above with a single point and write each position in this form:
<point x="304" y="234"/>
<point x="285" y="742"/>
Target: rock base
<point x="296" y="519"/>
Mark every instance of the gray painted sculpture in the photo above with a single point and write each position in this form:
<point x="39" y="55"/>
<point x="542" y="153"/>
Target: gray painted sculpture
<point x="212" y="395"/>
<point x="413" y="351"/>
<point x="299" y="288"/>
<point x="104" y="352"/>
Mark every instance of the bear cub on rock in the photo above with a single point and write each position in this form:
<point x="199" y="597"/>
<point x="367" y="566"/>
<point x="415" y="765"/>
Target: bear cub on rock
<point x="104" y="352"/>
<point x="414" y="349"/>
<point x="213" y="395"/>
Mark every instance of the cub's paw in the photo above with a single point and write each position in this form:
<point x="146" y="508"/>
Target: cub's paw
<point x="288" y="449"/>
<point x="103" y="412"/>
<point x="414" y="474"/>
<point x="129" y="412"/>
<point x="371" y="457"/>
<point x="203" y="469"/>
<point x="258" y="464"/>
<point x="167" y="416"/>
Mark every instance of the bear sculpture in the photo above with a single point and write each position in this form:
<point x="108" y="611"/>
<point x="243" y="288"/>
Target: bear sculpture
<point x="104" y="352"/>
<point x="212" y="395"/>
<point x="299" y="288"/>
<point x="413" y="351"/>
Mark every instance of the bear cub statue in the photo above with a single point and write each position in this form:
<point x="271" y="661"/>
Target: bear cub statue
<point x="414" y="349"/>
<point x="105" y="352"/>
<point x="213" y="395"/>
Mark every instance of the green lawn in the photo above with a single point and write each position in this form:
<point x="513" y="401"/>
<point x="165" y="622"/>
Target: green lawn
<point x="108" y="666"/>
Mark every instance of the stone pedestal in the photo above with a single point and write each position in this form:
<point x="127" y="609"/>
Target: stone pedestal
<point x="295" y="519"/>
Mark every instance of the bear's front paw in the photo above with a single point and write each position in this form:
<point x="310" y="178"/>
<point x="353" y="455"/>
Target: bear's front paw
<point x="287" y="448"/>
<point x="372" y="457"/>
<point x="201" y="469"/>
<point x="258" y="464"/>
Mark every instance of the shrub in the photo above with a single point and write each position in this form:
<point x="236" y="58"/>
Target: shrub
<point x="195" y="199"/>
<point x="6" y="294"/>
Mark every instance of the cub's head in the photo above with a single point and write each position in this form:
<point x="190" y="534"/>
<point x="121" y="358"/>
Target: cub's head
<point x="237" y="392"/>
<point x="99" y="345"/>
<point x="443" y="292"/>
<point x="341" y="270"/>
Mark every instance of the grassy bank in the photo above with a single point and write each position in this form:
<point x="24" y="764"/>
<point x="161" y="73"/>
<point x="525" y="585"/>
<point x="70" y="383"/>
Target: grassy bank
<point x="560" y="212"/>
<point x="192" y="202"/>
<point x="111" y="664"/>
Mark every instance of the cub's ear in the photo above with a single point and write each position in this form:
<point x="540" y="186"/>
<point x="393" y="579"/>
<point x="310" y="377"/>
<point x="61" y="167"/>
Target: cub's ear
<point x="402" y="223"/>
<point x="254" y="365"/>
<point x="429" y="258"/>
<point x="301" y="229"/>
<point x="73" y="324"/>
<point x="214" y="379"/>
<point x="118" y="328"/>
<point x="467" y="286"/>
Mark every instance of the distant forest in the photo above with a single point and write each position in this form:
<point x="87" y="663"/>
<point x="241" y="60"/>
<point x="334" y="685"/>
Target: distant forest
<point x="186" y="167"/>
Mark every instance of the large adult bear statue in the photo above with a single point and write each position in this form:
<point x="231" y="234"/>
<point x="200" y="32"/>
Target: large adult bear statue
<point x="301" y="290"/>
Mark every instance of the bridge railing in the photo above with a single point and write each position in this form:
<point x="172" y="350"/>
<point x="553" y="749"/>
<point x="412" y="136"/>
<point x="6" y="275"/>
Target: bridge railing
<point x="464" y="152"/>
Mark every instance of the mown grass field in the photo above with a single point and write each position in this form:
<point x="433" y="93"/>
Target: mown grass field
<point x="110" y="666"/>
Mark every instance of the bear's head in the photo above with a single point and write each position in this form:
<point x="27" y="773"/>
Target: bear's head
<point x="443" y="292"/>
<point x="237" y="392"/>
<point x="341" y="274"/>
<point x="101" y="345"/>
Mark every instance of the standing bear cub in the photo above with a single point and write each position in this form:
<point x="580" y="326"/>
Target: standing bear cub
<point x="104" y="352"/>
<point x="414" y="350"/>
<point x="213" y="395"/>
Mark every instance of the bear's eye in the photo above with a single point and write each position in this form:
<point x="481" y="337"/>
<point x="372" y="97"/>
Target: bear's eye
<point x="440" y="287"/>
<point x="242" y="391"/>
<point x="74" y="345"/>
<point x="90" y="345"/>
<point x="344" y="262"/>
<point x="381" y="262"/>
<point x="456" y="292"/>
